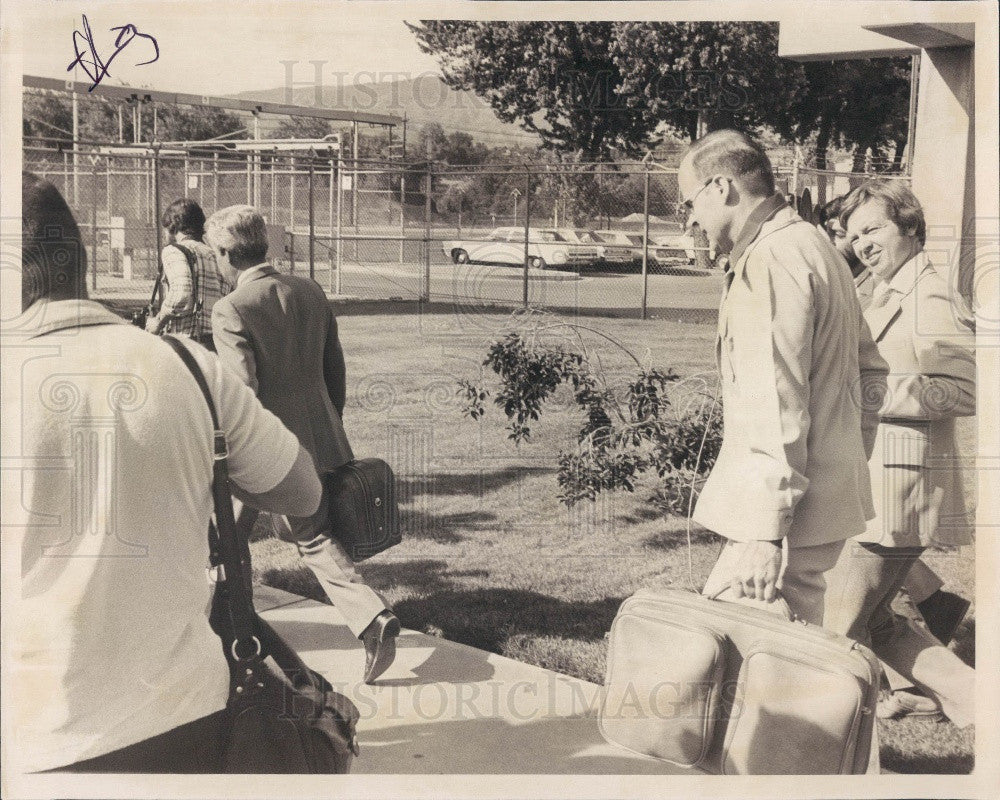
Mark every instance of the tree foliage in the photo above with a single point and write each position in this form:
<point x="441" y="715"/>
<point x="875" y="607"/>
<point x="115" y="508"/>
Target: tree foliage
<point x="600" y="90"/>
<point x="861" y="104"/>
<point x="49" y="118"/>
<point x="625" y="431"/>
<point x="302" y="128"/>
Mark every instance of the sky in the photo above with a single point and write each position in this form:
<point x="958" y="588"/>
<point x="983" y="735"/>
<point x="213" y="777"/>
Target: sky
<point x="222" y="48"/>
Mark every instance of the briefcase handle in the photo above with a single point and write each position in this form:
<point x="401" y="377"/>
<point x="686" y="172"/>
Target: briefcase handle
<point x="779" y="606"/>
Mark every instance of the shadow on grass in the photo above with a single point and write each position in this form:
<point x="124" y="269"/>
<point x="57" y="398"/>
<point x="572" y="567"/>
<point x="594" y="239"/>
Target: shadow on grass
<point x="475" y="484"/>
<point x="674" y="538"/>
<point x="486" y="618"/>
<point x="440" y="528"/>
<point x="924" y="763"/>
<point x="298" y="580"/>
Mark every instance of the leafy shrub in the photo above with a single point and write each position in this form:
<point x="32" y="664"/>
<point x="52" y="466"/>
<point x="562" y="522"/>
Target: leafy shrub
<point x="620" y="438"/>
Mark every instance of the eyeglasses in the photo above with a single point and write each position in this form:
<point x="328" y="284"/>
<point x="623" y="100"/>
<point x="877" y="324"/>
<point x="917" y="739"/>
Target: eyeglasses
<point x="688" y="205"/>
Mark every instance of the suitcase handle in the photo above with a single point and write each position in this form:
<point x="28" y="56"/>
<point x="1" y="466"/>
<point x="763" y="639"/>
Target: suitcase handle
<point x="779" y="606"/>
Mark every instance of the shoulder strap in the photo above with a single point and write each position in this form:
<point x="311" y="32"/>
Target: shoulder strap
<point x="192" y="268"/>
<point x="233" y="558"/>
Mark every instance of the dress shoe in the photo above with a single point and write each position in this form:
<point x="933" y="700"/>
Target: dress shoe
<point x="899" y="704"/>
<point x="943" y="612"/>
<point x="380" y="644"/>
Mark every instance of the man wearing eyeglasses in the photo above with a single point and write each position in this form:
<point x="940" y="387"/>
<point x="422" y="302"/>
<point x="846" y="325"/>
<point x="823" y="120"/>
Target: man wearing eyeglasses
<point x="800" y="381"/>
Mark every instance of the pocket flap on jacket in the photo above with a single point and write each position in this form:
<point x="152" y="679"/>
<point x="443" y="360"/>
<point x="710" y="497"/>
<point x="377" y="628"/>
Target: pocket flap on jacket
<point x="662" y="689"/>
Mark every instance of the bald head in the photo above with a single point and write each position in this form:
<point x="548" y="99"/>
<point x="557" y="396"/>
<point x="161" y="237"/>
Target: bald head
<point x="735" y="155"/>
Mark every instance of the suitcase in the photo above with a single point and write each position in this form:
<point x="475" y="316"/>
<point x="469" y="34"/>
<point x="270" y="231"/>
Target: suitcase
<point x="363" y="510"/>
<point x="730" y="689"/>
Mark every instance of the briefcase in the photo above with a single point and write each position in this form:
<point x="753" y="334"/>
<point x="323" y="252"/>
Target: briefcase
<point x="731" y="689"/>
<point x="363" y="508"/>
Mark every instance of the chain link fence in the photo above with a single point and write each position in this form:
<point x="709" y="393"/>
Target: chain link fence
<point x="603" y="236"/>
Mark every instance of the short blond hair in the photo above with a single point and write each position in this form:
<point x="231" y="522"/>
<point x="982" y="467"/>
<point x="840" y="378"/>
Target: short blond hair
<point x="241" y="231"/>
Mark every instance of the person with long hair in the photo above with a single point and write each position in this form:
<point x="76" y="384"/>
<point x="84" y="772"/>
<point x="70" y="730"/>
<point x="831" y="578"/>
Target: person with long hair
<point x="191" y="276"/>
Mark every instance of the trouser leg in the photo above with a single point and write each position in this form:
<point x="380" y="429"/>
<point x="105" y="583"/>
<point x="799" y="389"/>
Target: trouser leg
<point x="862" y="587"/>
<point x="921" y="582"/>
<point x="801" y="584"/>
<point x="323" y="554"/>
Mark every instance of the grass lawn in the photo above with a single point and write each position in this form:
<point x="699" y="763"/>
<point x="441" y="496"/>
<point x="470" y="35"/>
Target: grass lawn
<point x="489" y="557"/>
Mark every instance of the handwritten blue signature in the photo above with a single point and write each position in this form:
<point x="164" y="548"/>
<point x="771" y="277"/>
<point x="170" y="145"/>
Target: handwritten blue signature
<point x="89" y="59"/>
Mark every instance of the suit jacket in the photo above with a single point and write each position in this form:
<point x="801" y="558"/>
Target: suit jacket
<point x="791" y="350"/>
<point x="916" y="467"/>
<point x="278" y="333"/>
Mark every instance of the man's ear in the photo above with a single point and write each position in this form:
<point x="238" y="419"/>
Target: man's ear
<point x="728" y="187"/>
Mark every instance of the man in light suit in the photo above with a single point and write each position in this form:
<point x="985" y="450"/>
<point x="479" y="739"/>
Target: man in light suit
<point x="278" y="333"/>
<point x="791" y="480"/>
<point x="917" y="480"/>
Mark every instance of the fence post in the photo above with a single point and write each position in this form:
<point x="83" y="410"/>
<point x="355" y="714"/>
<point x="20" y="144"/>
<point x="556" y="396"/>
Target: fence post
<point x="249" y="180"/>
<point x="215" y="182"/>
<point x="340" y="221"/>
<point x="794" y="188"/>
<point x="425" y="291"/>
<point x="402" y="210"/>
<point x="273" y="177"/>
<point x="93" y="221"/>
<point x="291" y="191"/>
<point x="312" y="222"/>
<point x="156" y="203"/>
<point x="330" y="208"/>
<point x="291" y="250"/>
<point x="185" y="175"/>
<point x="645" y="240"/>
<point x="527" y="228"/>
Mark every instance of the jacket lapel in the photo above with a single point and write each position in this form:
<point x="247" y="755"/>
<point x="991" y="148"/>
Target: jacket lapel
<point x="879" y="319"/>
<point x="902" y="283"/>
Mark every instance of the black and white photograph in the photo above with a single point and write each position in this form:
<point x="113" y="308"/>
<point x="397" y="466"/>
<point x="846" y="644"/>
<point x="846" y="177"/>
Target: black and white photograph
<point x="499" y="399"/>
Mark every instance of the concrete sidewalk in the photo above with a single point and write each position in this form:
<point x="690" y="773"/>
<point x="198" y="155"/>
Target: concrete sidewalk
<point x="446" y="708"/>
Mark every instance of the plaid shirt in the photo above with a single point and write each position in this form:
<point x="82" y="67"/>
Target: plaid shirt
<point x="187" y="314"/>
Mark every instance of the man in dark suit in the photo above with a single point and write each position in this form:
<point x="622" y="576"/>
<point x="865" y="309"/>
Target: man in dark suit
<point x="278" y="333"/>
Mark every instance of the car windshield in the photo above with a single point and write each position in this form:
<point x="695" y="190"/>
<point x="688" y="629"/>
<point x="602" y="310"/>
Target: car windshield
<point x="548" y="236"/>
<point x="634" y="239"/>
<point x="587" y="236"/>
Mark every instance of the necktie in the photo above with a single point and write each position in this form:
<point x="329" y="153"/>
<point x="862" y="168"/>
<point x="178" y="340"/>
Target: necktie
<point x="881" y="295"/>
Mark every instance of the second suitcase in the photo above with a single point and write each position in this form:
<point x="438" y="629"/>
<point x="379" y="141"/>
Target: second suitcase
<point x="729" y="689"/>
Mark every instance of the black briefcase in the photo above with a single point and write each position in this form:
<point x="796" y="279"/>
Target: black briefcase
<point x="363" y="508"/>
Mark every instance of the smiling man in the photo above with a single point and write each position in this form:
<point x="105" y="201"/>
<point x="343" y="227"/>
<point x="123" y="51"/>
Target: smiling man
<point x="791" y="480"/>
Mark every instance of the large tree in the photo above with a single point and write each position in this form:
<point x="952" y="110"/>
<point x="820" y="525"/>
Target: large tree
<point x="556" y="79"/>
<point x="859" y="104"/>
<point x="597" y="90"/>
<point x="601" y="89"/>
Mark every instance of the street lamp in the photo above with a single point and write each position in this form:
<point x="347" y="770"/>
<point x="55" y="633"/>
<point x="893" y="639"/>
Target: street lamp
<point x="515" y="193"/>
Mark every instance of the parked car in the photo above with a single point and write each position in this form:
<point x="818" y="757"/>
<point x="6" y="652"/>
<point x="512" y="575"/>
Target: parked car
<point x="632" y="242"/>
<point x="547" y="247"/>
<point x="610" y="252"/>
<point x="673" y="250"/>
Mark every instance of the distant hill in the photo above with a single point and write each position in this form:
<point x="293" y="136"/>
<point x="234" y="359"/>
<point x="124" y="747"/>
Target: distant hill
<point x="426" y="98"/>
